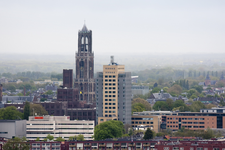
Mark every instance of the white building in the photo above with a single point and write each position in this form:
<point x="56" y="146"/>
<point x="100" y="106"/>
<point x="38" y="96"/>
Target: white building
<point x="58" y="126"/>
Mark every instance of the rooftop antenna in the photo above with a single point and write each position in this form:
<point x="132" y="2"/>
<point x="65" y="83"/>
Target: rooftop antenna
<point x="112" y="60"/>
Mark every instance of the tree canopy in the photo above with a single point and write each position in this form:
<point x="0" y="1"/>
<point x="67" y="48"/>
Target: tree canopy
<point x="148" y="134"/>
<point x="37" y="108"/>
<point x="26" y="112"/>
<point x="16" y="144"/>
<point x="108" y="129"/>
<point x="10" y="113"/>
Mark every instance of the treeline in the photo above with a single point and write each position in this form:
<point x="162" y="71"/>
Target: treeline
<point x="168" y="74"/>
<point x="32" y="75"/>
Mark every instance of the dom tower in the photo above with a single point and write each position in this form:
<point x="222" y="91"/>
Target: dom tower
<point x="85" y="67"/>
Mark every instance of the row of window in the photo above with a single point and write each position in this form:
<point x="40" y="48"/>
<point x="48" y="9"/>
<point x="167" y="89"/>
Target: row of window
<point x="188" y="126"/>
<point x="110" y="99"/>
<point x="110" y="107"/>
<point x="189" y="122"/>
<point x="110" y="95"/>
<point x="110" y="91"/>
<point x="110" y="103"/>
<point x="110" y="111"/>
<point x="191" y="148"/>
<point x="142" y="122"/>
<point x="106" y="80"/>
<point x="110" y="84"/>
<point x="110" y="76"/>
<point x="186" y="118"/>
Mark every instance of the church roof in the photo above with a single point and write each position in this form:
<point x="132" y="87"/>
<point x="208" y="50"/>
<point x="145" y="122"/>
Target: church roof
<point x="84" y="29"/>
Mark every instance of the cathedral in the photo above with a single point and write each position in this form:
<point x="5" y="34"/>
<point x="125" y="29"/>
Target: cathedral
<point x="84" y="60"/>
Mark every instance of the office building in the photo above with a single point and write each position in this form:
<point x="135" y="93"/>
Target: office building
<point x="113" y="94"/>
<point x="85" y="67"/>
<point x="58" y="126"/>
<point x="12" y="128"/>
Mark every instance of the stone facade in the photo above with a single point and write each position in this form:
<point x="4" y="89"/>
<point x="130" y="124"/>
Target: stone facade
<point x="85" y="67"/>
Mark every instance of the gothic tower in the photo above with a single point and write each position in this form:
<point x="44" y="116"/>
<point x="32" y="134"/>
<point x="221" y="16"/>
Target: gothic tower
<point x="85" y="66"/>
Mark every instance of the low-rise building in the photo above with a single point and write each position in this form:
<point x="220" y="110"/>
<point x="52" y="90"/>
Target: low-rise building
<point x="12" y="128"/>
<point x="58" y="126"/>
<point x="139" y="90"/>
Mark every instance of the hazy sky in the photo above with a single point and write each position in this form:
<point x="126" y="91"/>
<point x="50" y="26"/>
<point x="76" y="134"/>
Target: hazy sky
<point x="118" y="26"/>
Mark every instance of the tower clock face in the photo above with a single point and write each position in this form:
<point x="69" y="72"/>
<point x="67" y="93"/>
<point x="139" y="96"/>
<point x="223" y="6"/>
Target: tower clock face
<point x="81" y="68"/>
<point x="90" y="68"/>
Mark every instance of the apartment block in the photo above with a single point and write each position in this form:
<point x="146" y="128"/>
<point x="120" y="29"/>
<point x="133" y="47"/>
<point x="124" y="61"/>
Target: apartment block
<point x="113" y="94"/>
<point x="58" y="126"/>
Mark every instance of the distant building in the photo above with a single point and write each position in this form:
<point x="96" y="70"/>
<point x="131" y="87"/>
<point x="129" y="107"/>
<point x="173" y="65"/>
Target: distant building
<point x="161" y="96"/>
<point x="3" y="80"/>
<point x="134" y="79"/>
<point x="85" y="66"/>
<point x="17" y="99"/>
<point x="49" y="81"/>
<point x="58" y="126"/>
<point x="12" y="128"/>
<point x="68" y="78"/>
<point x="113" y="94"/>
<point x="139" y="90"/>
<point x="51" y="87"/>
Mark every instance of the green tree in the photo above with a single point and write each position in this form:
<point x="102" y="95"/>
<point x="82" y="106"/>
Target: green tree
<point x="26" y="112"/>
<point x="37" y="139"/>
<point x="175" y="89"/>
<point x="12" y="88"/>
<point x="49" y="92"/>
<point x="191" y="92"/>
<point x="80" y="137"/>
<point x="196" y="106"/>
<point x="138" y="107"/>
<point x="20" y="94"/>
<point x="50" y="137"/>
<point x="59" y="139"/>
<point x="169" y="103"/>
<point x="160" y="105"/>
<point x="10" y="113"/>
<point x="208" y="134"/>
<point x="72" y="138"/>
<point x="222" y="103"/>
<point x="130" y="132"/>
<point x="16" y="144"/>
<point x="146" y="104"/>
<point x="198" y="88"/>
<point x="108" y="129"/>
<point x="37" y="108"/>
<point x="148" y="134"/>
<point x="165" y="89"/>
<point x="155" y="90"/>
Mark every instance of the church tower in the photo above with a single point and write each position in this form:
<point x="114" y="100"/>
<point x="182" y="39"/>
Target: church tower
<point x="85" y="66"/>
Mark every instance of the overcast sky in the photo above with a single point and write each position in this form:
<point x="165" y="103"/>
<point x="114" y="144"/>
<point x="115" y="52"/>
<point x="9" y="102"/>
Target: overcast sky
<point x="118" y="26"/>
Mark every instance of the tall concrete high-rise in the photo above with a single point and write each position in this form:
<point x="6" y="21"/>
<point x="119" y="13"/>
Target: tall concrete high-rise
<point x="85" y="67"/>
<point x="113" y="94"/>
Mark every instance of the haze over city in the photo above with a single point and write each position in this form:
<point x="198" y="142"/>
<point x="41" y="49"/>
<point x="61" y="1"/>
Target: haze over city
<point x="134" y="27"/>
